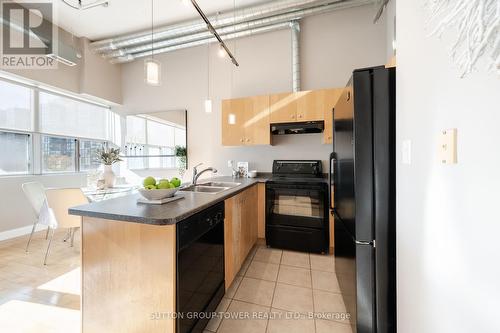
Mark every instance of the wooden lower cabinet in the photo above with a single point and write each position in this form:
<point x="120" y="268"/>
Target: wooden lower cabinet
<point x="261" y="210"/>
<point x="240" y="230"/>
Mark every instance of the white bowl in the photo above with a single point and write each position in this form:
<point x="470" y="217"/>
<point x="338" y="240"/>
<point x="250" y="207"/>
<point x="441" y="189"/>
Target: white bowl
<point x="252" y="173"/>
<point x="158" y="194"/>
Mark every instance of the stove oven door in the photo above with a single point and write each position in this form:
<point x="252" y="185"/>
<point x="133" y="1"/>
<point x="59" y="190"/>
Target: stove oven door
<point x="296" y="205"/>
<point x="297" y="216"/>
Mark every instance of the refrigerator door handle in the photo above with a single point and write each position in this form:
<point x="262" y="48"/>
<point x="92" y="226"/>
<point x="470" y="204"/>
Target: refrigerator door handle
<point x="333" y="160"/>
<point x="365" y="242"/>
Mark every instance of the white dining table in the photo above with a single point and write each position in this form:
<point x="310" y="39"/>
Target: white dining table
<point x="94" y="194"/>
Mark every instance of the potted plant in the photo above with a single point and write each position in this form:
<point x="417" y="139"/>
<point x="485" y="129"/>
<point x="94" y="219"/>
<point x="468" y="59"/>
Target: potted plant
<point x="181" y="154"/>
<point x="108" y="157"/>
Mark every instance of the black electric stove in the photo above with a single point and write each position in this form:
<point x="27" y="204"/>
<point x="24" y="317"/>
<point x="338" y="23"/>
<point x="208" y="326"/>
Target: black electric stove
<point x="297" y="206"/>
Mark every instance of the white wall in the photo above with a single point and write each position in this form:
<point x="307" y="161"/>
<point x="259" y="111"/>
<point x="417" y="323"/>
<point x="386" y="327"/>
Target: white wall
<point x="448" y="255"/>
<point x="333" y="44"/>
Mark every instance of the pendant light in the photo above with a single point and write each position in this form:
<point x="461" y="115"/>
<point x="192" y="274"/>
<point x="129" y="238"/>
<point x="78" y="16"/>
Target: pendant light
<point x="208" y="101"/>
<point x="152" y="67"/>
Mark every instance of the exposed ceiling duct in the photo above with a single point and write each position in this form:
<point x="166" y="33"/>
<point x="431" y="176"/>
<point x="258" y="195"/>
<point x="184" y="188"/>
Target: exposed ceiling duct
<point x="194" y="26"/>
<point x="295" y="28"/>
<point x="243" y="22"/>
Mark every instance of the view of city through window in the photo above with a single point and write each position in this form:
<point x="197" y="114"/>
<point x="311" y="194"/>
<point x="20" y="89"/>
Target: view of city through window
<point x="65" y="138"/>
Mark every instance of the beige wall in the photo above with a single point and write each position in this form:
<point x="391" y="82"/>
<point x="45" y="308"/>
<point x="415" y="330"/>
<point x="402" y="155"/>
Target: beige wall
<point x="98" y="77"/>
<point x="447" y="215"/>
<point x="333" y="44"/>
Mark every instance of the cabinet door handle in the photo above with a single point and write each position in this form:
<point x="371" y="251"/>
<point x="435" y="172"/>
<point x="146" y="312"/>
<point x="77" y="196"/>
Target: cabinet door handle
<point x="300" y="116"/>
<point x="242" y="140"/>
<point x="248" y="140"/>
<point x="293" y="116"/>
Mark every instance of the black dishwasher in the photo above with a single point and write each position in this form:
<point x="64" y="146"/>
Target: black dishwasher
<point x="200" y="268"/>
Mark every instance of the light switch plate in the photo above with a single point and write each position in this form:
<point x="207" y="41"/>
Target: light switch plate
<point x="406" y="152"/>
<point x="448" y="146"/>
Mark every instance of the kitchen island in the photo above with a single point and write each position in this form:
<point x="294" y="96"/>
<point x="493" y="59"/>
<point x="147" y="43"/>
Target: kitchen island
<point x="129" y="254"/>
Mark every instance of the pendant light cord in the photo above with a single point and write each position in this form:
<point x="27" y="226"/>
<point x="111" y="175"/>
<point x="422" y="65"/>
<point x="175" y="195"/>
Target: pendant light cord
<point x="234" y="46"/>
<point x="208" y="70"/>
<point x="152" y="29"/>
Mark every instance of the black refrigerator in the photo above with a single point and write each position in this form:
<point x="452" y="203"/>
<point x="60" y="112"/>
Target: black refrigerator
<point x="363" y="198"/>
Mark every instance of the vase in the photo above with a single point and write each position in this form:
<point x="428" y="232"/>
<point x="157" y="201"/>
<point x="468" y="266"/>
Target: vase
<point x="109" y="176"/>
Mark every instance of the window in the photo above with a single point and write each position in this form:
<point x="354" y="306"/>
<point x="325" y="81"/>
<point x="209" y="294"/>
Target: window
<point x="151" y="143"/>
<point x="58" y="154"/>
<point x="15" y="107"/>
<point x="62" y="115"/>
<point x="180" y="137"/>
<point x="67" y="133"/>
<point x="159" y="134"/>
<point x="14" y="153"/>
<point x="136" y="130"/>
<point x="88" y="152"/>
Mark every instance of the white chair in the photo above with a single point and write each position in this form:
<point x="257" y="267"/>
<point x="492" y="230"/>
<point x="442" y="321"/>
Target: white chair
<point x="35" y="193"/>
<point x="59" y="201"/>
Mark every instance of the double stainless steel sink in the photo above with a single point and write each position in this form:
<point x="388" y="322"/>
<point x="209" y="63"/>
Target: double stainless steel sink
<point x="212" y="187"/>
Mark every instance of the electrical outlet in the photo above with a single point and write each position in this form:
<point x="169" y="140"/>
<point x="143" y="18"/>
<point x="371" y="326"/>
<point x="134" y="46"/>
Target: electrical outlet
<point x="406" y="152"/>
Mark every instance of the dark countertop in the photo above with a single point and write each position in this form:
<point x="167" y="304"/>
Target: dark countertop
<point x="127" y="209"/>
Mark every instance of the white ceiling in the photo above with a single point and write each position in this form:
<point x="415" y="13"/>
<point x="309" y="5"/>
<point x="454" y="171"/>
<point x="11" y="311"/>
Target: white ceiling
<point x="124" y="16"/>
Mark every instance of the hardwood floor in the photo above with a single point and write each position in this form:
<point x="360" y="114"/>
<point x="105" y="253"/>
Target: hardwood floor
<point x="38" y="298"/>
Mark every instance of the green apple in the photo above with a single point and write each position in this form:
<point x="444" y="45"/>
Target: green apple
<point x="176" y="181"/>
<point x="163" y="181"/>
<point x="150" y="187"/>
<point x="163" y="185"/>
<point x="149" y="181"/>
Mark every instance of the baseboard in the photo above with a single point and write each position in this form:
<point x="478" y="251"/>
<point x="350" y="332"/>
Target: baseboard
<point x="13" y="233"/>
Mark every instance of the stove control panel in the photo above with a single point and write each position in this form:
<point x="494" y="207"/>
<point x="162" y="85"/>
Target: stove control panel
<point x="304" y="168"/>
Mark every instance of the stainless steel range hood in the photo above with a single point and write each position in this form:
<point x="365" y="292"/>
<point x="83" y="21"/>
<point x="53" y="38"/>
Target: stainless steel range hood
<point x="298" y="128"/>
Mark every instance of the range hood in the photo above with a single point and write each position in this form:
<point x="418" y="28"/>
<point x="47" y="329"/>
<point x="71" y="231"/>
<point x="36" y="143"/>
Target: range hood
<point x="298" y="128"/>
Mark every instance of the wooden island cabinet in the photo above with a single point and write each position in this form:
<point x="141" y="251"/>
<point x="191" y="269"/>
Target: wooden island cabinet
<point x="130" y="255"/>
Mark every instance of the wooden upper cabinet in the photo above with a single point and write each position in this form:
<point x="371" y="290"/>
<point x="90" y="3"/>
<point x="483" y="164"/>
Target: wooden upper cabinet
<point x="330" y="98"/>
<point x="233" y="119"/>
<point x="257" y="126"/>
<point x="344" y="105"/>
<point x="283" y="108"/>
<point x="245" y="121"/>
<point x="310" y="105"/>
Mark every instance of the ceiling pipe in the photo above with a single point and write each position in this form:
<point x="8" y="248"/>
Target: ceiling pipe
<point x="295" y="28"/>
<point x="129" y="54"/>
<point x="219" y="21"/>
<point x="211" y="39"/>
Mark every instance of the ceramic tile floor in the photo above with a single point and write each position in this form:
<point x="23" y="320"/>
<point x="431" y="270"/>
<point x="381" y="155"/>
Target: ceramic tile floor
<point x="282" y="292"/>
<point x="280" y="288"/>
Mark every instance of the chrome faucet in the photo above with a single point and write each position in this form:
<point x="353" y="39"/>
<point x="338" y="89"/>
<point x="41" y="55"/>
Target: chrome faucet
<point x="197" y="174"/>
